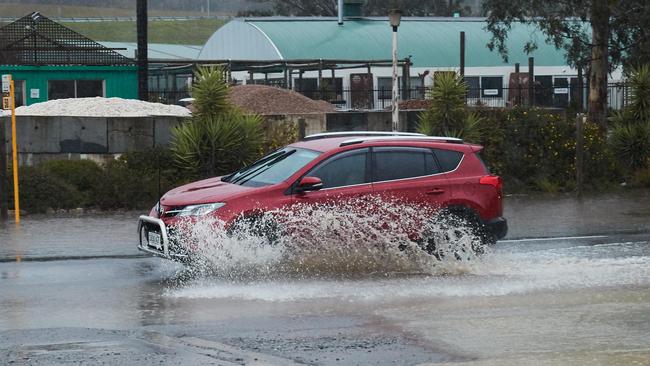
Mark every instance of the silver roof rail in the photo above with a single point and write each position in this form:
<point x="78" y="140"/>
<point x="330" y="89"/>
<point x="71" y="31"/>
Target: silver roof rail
<point x="359" y="133"/>
<point x="359" y="140"/>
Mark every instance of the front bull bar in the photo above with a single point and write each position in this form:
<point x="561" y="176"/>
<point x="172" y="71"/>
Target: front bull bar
<point x="144" y="246"/>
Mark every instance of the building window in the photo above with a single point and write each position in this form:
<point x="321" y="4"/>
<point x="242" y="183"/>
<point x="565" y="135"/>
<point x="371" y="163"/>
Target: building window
<point x="309" y="88"/>
<point x="473" y="86"/>
<point x="62" y="89"/>
<point x="90" y="88"/>
<point x="492" y="86"/>
<point x="417" y="90"/>
<point x="484" y="86"/>
<point x="19" y="92"/>
<point x="385" y="87"/>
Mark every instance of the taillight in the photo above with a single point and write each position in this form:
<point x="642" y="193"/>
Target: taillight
<point x="492" y="180"/>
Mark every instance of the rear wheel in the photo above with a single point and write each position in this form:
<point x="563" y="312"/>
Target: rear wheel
<point x="459" y="233"/>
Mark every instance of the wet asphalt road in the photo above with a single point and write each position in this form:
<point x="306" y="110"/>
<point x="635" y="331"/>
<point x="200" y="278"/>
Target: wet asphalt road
<point x="574" y="297"/>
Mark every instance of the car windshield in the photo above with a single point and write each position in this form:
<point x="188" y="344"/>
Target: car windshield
<point x="273" y="168"/>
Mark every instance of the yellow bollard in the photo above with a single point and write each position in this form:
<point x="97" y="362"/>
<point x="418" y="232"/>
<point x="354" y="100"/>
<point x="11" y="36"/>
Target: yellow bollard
<point x="14" y="150"/>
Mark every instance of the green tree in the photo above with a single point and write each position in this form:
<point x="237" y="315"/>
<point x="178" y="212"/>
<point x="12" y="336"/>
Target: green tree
<point x="596" y="34"/>
<point x="447" y="114"/>
<point x="219" y="138"/>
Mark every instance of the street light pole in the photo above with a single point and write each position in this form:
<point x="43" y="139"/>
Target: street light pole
<point x="395" y="16"/>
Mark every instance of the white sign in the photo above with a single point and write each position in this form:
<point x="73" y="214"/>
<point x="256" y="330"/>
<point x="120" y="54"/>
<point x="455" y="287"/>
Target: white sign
<point x="6" y="83"/>
<point x="561" y="90"/>
<point x="491" y="92"/>
<point x="35" y="93"/>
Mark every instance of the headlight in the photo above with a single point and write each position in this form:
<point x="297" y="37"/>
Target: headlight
<point x="156" y="207"/>
<point x="200" y="210"/>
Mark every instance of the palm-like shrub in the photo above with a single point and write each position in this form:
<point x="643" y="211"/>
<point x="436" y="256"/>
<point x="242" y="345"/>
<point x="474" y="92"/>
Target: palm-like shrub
<point x="219" y="138"/>
<point x="631" y="144"/>
<point x="210" y="91"/>
<point x="448" y="114"/>
<point x="630" y="133"/>
<point x="640" y="93"/>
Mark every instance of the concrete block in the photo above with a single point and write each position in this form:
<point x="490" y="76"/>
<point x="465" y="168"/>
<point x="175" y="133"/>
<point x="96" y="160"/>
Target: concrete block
<point x="83" y="135"/>
<point x="162" y="129"/>
<point x="128" y="134"/>
<point x="35" y="134"/>
<point x="347" y="121"/>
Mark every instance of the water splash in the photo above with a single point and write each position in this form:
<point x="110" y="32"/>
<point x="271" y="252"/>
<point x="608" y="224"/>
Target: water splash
<point x="360" y="237"/>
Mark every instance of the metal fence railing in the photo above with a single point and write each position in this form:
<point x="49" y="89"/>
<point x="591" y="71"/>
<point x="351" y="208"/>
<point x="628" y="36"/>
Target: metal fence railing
<point x="504" y="97"/>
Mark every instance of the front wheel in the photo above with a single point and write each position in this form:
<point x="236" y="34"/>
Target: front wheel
<point x="259" y="227"/>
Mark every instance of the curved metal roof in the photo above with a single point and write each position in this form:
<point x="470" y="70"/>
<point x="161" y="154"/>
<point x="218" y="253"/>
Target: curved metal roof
<point x="430" y="41"/>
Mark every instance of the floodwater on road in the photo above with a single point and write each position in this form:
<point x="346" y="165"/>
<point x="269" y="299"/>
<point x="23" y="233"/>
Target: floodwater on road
<point x="74" y="289"/>
<point x="570" y="301"/>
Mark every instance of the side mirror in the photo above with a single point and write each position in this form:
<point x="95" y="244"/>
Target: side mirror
<point x="309" y="184"/>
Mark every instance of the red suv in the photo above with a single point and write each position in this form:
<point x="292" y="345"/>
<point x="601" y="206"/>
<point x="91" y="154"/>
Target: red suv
<point x="439" y="172"/>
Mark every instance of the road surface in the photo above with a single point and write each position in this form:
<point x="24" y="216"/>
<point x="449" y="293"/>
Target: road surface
<point x="574" y="300"/>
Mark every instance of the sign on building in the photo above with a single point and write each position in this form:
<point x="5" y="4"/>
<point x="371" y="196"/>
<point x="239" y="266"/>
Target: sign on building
<point x="6" y="83"/>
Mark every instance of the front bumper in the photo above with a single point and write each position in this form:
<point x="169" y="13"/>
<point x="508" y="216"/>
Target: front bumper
<point x="498" y="227"/>
<point x="148" y="224"/>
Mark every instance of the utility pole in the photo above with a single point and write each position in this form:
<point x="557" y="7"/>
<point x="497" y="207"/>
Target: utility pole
<point x="143" y="56"/>
<point x="462" y="55"/>
<point x="395" y="17"/>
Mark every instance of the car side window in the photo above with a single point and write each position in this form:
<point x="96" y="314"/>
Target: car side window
<point x="448" y="159"/>
<point x="392" y="163"/>
<point x="344" y="169"/>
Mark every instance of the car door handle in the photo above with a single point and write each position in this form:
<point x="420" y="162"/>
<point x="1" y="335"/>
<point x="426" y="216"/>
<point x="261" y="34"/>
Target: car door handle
<point x="436" y="191"/>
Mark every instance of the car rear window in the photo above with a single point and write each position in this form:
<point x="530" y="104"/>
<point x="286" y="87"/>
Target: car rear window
<point x="392" y="163"/>
<point x="448" y="159"/>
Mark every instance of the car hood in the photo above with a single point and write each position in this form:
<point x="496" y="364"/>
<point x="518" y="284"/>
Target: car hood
<point x="204" y="191"/>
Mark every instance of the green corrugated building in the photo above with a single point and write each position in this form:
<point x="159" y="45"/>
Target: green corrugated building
<point x="432" y="45"/>
<point x="49" y="61"/>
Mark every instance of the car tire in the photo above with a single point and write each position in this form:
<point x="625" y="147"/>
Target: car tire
<point x="257" y="226"/>
<point x="450" y="231"/>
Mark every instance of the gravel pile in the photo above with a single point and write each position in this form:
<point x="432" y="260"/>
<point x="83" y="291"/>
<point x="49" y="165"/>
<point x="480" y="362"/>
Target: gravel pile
<point x="101" y="107"/>
<point x="269" y="100"/>
<point x="414" y="104"/>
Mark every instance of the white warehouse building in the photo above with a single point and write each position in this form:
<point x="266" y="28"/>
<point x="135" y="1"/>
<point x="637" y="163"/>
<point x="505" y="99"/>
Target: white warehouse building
<point x="431" y="44"/>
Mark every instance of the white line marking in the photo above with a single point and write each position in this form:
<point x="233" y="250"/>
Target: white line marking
<point x="555" y="238"/>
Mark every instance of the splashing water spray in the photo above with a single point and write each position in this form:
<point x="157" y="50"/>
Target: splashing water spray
<point x="369" y="236"/>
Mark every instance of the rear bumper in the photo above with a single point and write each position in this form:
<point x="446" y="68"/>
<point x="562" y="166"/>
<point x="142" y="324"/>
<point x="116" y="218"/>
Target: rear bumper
<point x="147" y="224"/>
<point x="498" y="227"/>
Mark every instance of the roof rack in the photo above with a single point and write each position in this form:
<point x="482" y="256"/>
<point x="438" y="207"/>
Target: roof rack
<point x="452" y="140"/>
<point x="325" y="135"/>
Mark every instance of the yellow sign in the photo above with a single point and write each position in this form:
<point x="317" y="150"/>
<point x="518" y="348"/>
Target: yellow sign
<point x="6" y="103"/>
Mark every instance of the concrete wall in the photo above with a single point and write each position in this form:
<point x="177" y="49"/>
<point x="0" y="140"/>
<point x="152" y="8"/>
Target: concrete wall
<point x="101" y="139"/>
<point x="370" y="121"/>
<point x="43" y="138"/>
<point x="314" y="122"/>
